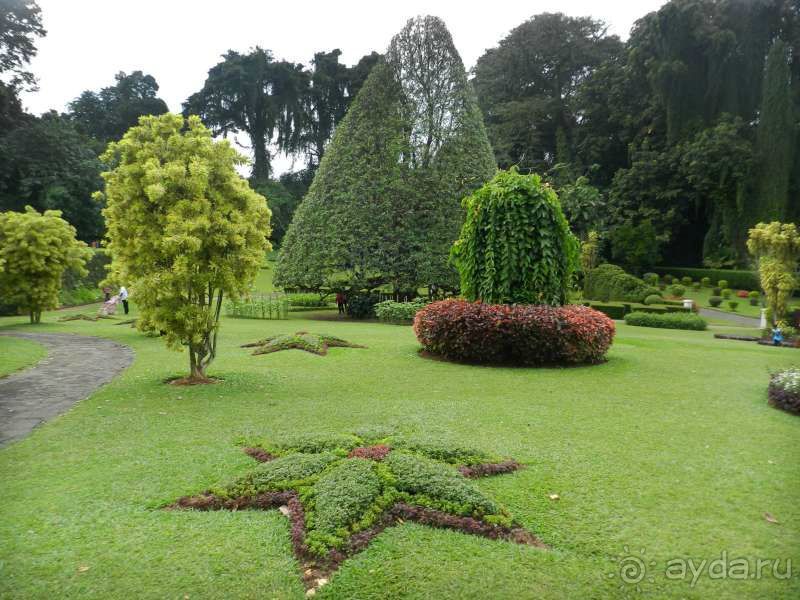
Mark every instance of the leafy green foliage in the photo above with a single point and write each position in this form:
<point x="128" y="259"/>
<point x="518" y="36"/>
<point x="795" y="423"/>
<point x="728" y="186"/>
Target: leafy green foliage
<point x="715" y="301"/>
<point x="258" y="306"/>
<point x="106" y="115"/>
<point x="343" y="493"/>
<point x="398" y="312"/>
<point x="20" y="22"/>
<point x="302" y="340"/>
<point x="610" y="282"/>
<point x="776" y="247"/>
<point x="362" y="306"/>
<point x="516" y="245"/>
<point x="35" y="250"/>
<point x="635" y="246"/>
<point x="440" y="485"/>
<point x="279" y="474"/>
<point x="384" y="204"/>
<point x="184" y="229"/>
<point x="667" y="320"/>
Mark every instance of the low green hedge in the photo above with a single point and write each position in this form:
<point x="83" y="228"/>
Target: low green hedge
<point x="667" y="320"/>
<point x="609" y="283"/>
<point x="739" y="279"/>
<point x="390" y="311"/>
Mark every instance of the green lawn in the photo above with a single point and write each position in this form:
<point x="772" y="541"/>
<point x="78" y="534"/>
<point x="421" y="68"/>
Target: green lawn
<point x="669" y="449"/>
<point x="702" y="295"/>
<point x="16" y="354"/>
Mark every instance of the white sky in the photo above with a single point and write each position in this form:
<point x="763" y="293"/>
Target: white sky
<point x="177" y="41"/>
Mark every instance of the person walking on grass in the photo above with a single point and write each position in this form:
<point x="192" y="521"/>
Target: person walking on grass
<point x="123" y="295"/>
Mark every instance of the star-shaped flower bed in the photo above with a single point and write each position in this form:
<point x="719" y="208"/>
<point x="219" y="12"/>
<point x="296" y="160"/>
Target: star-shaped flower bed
<point x="302" y="340"/>
<point x="340" y="491"/>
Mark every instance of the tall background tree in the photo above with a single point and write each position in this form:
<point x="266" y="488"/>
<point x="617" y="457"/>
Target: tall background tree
<point x="384" y="206"/>
<point x="106" y="115"/>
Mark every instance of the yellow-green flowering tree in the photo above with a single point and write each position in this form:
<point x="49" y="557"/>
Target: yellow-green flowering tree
<point x="35" y="250"/>
<point x="184" y="229"/>
<point x="776" y="246"/>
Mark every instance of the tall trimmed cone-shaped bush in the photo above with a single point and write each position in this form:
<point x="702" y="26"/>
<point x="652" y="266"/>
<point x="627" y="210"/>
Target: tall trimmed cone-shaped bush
<point x="384" y="206"/>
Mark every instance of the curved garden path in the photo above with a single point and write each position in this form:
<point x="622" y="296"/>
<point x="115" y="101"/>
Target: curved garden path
<point x="75" y="366"/>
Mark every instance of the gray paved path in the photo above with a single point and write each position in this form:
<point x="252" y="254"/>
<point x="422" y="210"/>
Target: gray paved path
<point x="726" y="316"/>
<point x="75" y="366"/>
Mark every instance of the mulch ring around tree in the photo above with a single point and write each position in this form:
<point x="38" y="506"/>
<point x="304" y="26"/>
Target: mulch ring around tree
<point x="340" y="491"/>
<point x="315" y="343"/>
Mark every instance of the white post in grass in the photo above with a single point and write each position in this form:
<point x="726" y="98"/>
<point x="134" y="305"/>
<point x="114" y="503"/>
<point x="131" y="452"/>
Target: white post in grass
<point x="763" y="324"/>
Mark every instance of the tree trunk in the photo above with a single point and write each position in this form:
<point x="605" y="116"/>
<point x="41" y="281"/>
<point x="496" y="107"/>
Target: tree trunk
<point x="261" y="166"/>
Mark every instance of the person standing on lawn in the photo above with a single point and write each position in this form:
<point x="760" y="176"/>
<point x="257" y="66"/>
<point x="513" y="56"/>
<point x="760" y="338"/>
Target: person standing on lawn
<point x="123" y="295"/>
<point x="341" y="301"/>
<point x="777" y="336"/>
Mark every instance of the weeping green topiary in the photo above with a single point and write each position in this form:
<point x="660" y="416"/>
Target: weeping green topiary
<point x="516" y="246"/>
<point x="384" y="206"/>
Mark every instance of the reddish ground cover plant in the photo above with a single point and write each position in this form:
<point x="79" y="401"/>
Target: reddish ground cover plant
<point x="528" y="335"/>
<point x="340" y="491"/>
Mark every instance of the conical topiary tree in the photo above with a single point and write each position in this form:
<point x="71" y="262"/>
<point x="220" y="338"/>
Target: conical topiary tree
<point x="384" y="206"/>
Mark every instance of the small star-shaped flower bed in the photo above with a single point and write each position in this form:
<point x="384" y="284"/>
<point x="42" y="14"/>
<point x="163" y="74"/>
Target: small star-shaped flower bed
<point x="302" y="340"/>
<point x="340" y="491"/>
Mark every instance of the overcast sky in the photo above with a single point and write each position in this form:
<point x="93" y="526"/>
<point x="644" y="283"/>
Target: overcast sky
<point x="177" y="41"/>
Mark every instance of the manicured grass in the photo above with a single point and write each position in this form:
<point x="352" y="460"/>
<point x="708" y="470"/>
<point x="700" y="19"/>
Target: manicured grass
<point x="669" y="448"/>
<point x="16" y="354"/>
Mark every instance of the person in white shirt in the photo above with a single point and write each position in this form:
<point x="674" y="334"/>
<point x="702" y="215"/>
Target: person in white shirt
<point x="123" y="295"/>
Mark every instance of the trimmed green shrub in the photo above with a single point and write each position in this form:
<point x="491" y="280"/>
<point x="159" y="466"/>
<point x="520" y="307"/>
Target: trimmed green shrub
<point x="426" y="477"/>
<point x="515" y="246"/>
<point x="306" y="301"/>
<point x="726" y="293"/>
<point x="667" y="321"/>
<point x="733" y="304"/>
<point x="611" y="283"/>
<point x="735" y="278"/>
<point x="362" y="306"/>
<point x="755" y="298"/>
<point x="653" y="299"/>
<point x="715" y="301"/>
<point x="676" y="290"/>
<point x="723" y="283"/>
<point x="343" y="494"/>
<point x="696" y="285"/>
<point x="390" y="311"/>
<point x="686" y="281"/>
<point x="650" y="278"/>
<point x="706" y="281"/>
<point x="717" y="291"/>
<point x="668" y="279"/>
<point x="613" y="311"/>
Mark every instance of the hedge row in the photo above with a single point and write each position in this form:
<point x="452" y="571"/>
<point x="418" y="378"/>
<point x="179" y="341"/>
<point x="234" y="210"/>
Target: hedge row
<point x="618" y="311"/>
<point x="610" y="282"/>
<point x="738" y="279"/>
<point x="666" y="321"/>
<point x="514" y="334"/>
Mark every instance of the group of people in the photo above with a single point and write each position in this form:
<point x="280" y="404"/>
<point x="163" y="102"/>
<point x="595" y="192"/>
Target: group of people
<point x="110" y="302"/>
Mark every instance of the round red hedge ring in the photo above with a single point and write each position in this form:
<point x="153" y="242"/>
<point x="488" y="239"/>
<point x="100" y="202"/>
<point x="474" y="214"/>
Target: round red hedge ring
<point x="528" y="335"/>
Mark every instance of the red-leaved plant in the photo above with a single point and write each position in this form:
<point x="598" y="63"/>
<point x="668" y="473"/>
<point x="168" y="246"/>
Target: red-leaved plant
<point x="514" y="334"/>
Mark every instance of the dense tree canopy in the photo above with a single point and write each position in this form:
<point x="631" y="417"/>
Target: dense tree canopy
<point x="384" y="205"/>
<point x="106" y="115"/>
<point x="47" y="164"/>
<point x="184" y="229"/>
<point x="20" y="23"/>
<point x="35" y="250"/>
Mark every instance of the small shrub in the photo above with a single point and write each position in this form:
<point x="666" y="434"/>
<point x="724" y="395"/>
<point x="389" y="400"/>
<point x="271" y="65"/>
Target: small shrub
<point x="676" y="290"/>
<point x="653" y="299"/>
<point x="398" y="312"/>
<point x="723" y="283"/>
<point x="686" y="281"/>
<point x="611" y="283"/>
<point x="650" y="278"/>
<point x="306" y="301"/>
<point x="362" y="306"/>
<point x="727" y="293"/>
<point x="668" y="279"/>
<point x="612" y="311"/>
<point x="667" y="321"/>
<point x="696" y="285"/>
<point x="516" y="334"/>
<point x="733" y="304"/>
<point x="742" y="294"/>
<point x="755" y="298"/>
<point x="662" y="286"/>
<point x="715" y="301"/>
<point x="258" y="306"/>
<point x="717" y="291"/>
<point x="344" y="493"/>
<point x="706" y="281"/>
<point x="784" y="390"/>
